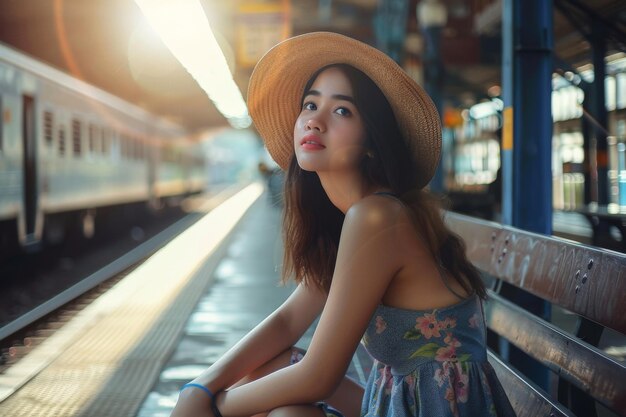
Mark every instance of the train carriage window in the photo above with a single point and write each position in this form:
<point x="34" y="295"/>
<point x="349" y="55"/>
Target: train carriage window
<point x="48" y="127"/>
<point x="76" y="136"/>
<point x="121" y="145"/>
<point x="138" y="148"/>
<point x="1" y="125"/>
<point x="132" y="144"/>
<point x="99" y="140"/>
<point x="128" y="147"/>
<point x="104" y="148"/>
<point x="131" y="147"/>
<point x="61" y="141"/>
<point x="115" y="144"/>
<point x="92" y="137"/>
<point x="124" y="146"/>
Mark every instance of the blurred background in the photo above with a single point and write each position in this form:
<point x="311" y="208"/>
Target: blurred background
<point x="452" y="47"/>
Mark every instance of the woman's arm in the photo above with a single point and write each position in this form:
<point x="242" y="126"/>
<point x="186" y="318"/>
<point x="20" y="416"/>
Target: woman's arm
<point x="275" y="334"/>
<point x="278" y="332"/>
<point x="366" y="261"/>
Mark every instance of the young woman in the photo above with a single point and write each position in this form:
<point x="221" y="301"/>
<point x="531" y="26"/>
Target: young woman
<point x="359" y="140"/>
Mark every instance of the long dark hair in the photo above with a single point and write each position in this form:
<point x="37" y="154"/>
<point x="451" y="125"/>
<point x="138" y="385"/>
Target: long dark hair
<point x="312" y="224"/>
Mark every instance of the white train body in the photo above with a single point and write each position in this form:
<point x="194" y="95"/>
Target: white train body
<point x="69" y="147"/>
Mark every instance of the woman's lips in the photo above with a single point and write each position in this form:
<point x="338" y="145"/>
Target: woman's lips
<point x="311" y="143"/>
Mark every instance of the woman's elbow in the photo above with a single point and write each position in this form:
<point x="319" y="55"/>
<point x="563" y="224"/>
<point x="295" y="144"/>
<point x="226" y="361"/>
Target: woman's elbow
<point x="321" y="383"/>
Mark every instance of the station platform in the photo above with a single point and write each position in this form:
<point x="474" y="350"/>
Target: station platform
<point x="130" y="352"/>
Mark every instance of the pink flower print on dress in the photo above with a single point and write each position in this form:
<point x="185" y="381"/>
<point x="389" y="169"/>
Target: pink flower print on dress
<point x="446" y="354"/>
<point x="460" y="385"/>
<point x="451" y="375"/>
<point x="428" y="326"/>
<point x="296" y="356"/>
<point x="448" y="323"/>
<point x="473" y="321"/>
<point x="450" y="340"/>
<point x="441" y="375"/>
<point x="410" y="381"/>
<point x="451" y="397"/>
<point x="385" y="380"/>
<point x="381" y="325"/>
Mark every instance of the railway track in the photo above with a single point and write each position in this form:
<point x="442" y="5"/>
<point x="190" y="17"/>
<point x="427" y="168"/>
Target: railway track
<point x="20" y="336"/>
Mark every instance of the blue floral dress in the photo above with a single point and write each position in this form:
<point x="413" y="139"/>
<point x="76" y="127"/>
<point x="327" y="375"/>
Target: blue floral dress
<point x="431" y="364"/>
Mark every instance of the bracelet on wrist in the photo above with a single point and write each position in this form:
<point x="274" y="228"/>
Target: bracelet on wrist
<point x="214" y="408"/>
<point x="202" y="387"/>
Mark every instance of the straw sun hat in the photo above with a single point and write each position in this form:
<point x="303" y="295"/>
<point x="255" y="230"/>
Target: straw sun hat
<point x="279" y="78"/>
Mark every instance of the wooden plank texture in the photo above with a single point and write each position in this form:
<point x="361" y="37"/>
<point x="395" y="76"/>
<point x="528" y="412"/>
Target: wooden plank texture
<point x="585" y="280"/>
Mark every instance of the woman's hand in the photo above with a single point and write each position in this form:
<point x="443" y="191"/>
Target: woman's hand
<point x="193" y="402"/>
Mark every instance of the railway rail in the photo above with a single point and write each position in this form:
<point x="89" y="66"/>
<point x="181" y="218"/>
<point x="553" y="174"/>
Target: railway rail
<point x="22" y="334"/>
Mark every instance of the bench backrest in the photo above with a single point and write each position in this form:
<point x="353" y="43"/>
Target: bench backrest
<point x="587" y="281"/>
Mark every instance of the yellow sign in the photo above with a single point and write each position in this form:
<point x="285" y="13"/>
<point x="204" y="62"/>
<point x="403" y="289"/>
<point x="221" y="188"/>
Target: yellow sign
<point x="507" y="129"/>
<point x="259" y="26"/>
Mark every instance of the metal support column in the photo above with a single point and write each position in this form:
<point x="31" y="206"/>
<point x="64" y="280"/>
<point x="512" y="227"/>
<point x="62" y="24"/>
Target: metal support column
<point x="527" y="143"/>
<point x="532" y="116"/>
<point x="432" y="17"/>
<point x="390" y="27"/>
<point x="506" y="163"/>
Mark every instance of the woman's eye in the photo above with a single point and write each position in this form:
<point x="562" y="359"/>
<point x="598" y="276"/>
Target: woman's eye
<point x="342" y="111"/>
<point x="309" y="106"/>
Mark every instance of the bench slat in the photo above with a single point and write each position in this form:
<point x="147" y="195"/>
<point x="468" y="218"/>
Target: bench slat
<point x="527" y="399"/>
<point x="580" y="363"/>
<point x="583" y="279"/>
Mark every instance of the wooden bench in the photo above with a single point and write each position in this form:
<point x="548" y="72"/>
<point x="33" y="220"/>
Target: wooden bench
<point x="586" y="281"/>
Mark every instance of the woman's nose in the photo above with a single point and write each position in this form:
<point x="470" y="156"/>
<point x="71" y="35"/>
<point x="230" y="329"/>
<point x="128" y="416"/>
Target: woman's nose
<point x="314" y="124"/>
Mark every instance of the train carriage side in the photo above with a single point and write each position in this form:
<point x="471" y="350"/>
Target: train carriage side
<point x="91" y="154"/>
<point x="68" y="148"/>
<point x="11" y="154"/>
<point x="179" y="167"/>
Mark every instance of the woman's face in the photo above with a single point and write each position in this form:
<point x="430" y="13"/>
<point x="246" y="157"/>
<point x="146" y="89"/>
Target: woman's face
<point x="329" y="134"/>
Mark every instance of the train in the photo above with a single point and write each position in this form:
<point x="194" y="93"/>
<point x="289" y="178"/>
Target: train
<point x="69" y="150"/>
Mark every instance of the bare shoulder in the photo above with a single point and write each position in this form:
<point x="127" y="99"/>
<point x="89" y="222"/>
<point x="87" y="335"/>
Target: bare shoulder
<point x="374" y="211"/>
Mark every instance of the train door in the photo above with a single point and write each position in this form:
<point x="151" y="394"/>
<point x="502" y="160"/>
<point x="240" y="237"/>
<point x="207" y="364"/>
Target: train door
<point x="29" y="146"/>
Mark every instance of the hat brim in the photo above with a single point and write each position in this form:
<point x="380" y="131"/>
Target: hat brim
<point x="279" y="78"/>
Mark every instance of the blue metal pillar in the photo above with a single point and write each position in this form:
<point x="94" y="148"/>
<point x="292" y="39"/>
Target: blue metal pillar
<point x="532" y="116"/>
<point x="527" y="143"/>
<point x="390" y="27"/>
<point x="506" y="152"/>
